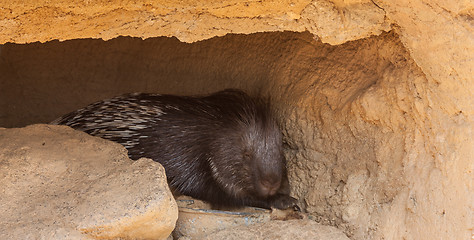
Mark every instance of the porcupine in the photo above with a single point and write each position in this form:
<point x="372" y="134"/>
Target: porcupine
<point x="224" y="148"/>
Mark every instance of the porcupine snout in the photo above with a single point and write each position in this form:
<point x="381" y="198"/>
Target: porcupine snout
<point x="268" y="185"/>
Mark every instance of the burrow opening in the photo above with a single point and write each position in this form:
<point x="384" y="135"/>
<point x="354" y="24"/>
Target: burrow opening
<point x="332" y="102"/>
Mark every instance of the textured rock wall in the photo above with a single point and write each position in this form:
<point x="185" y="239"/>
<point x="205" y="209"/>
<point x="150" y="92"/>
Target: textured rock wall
<point x="24" y="21"/>
<point x="439" y="159"/>
<point x="379" y="131"/>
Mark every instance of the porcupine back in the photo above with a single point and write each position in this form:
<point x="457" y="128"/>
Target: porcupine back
<point x="224" y="148"/>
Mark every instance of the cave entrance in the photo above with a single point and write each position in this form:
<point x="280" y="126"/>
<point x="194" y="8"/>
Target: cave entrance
<point x="44" y="80"/>
<point x="323" y="95"/>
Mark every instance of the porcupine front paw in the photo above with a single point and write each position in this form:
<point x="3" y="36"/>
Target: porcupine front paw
<point x="282" y="201"/>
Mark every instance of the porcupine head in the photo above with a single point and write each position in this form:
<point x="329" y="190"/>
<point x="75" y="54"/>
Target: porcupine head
<point x="248" y="160"/>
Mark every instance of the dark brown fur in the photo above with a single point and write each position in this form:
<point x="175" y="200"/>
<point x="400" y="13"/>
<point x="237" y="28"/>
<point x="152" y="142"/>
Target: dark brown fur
<point x="224" y="148"/>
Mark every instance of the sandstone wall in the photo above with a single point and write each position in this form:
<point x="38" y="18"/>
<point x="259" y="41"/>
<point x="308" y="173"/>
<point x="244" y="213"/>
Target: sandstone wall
<point x="31" y="20"/>
<point x="379" y="131"/>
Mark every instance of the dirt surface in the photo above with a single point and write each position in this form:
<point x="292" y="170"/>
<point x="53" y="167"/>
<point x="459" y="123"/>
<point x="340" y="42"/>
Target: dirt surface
<point x="57" y="183"/>
<point x="379" y="131"/>
<point x="292" y="229"/>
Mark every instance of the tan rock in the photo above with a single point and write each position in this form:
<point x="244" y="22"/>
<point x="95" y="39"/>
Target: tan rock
<point x="32" y="20"/>
<point x="57" y="183"/>
<point x="336" y="22"/>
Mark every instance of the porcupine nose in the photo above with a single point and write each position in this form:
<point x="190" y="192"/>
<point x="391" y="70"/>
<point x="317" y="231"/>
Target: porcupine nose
<point x="269" y="186"/>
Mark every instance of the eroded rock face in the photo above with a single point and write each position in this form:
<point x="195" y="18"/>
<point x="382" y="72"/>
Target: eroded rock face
<point x="57" y="183"/>
<point x="40" y="20"/>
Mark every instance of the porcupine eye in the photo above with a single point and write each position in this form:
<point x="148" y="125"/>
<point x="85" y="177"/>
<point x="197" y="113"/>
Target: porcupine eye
<point x="246" y="155"/>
